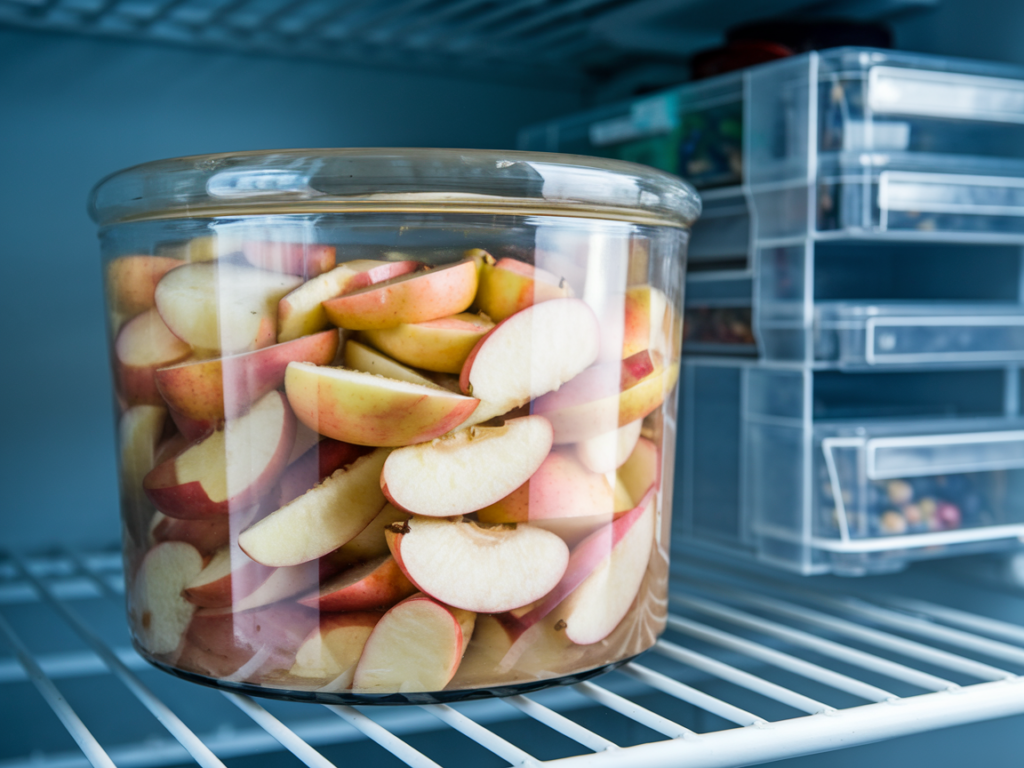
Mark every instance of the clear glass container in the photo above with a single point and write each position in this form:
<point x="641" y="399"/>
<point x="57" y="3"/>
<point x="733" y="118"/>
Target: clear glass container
<point x="394" y="425"/>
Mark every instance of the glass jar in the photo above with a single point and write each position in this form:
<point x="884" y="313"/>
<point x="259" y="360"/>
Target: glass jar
<point x="394" y="425"/>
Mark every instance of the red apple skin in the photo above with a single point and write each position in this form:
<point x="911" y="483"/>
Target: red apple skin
<point x="131" y="282"/>
<point x="236" y="584"/>
<point x="193" y="429"/>
<point x="205" y="535"/>
<point x="378" y="584"/>
<point x="190" y="501"/>
<point x="301" y="259"/>
<point x="219" y="642"/>
<point x="211" y="390"/>
<point x="414" y="298"/>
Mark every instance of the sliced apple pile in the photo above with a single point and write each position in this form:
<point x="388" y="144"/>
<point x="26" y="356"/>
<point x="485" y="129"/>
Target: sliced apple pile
<point x="481" y="568"/>
<point x="466" y="470"/>
<point x="415" y="647"/>
<point x="475" y="456"/>
<point x="230" y="468"/>
<point x="222" y="306"/>
<point x="365" y="409"/>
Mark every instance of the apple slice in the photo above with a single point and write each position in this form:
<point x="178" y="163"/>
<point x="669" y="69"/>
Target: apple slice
<point x="510" y="285"/>
<point x="207" y="535"/>
<point x="379" y="583"/>
<point x="609" y="451"/>
<point x="322" y="519"/>
<point x="436" y="345"/>
<point x="131" y="282"/>
<point x="143" y="345"/>
<point x="642" y="470"/>
<point x="623" y="499"/>
<point x="595" y="608"/>
<point x="371" y="542"/>
<point x="530" y="353"/>
<point x="592" y="404"/>
<point x="246" y="646"/>
<point x="193" y="430"/>
<point x="332" y="650"/>
<point x="209" y="390"/>
<point x="482" y="568"/>
<point x="218" y="584"/>
<point x="360" y="357"/>
<point x="158" y="611"/>
<point x="223" y="306"/>
<point x="314" y="466"/>
<point x="412" y="298"/>
<point x="562" y="497"/>
<point x="602" y="578"/>
<point x="415" y="647"/>
<point x="139" y="432"/>
<point x="651" y="322"/>
<point x="300" y="312"/>
<point x="549" y="654"/>
<point x="230" y="468"/>
<point x="466" y="470"/>
<point x="365" y="409"/>
<point x="305" y="260"/>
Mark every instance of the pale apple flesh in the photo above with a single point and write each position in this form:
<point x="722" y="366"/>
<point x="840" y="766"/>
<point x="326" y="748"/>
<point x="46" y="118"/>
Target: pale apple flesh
<point x="370" y="543"/>
<point x="479" y="568"/>
<point x="360" y="357"/>
<point x="132" y="280"/>
<point x="415" y="647"/>
<point x="143" y="345"/>
<point x="301" y="259"/>
<point x="332" y="650"/>
<point x="222" y="582"/>
<point x="157" y="610"/>
<point x="466" y="470"/>
<point x="508" y="286"/>
<point x="377" y="584"/>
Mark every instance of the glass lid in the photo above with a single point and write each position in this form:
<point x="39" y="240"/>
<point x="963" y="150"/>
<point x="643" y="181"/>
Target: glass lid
<point x="394" y="180"/>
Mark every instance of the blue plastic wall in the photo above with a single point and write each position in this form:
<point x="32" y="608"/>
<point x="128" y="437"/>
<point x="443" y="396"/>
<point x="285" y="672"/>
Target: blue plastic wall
<point x="73" y="109"/>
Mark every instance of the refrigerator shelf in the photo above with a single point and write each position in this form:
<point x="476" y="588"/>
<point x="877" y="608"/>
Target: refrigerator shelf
<point x="754" y="667"/>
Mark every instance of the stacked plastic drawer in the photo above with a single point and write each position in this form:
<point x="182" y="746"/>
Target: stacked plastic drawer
<point x="851" y="393"/>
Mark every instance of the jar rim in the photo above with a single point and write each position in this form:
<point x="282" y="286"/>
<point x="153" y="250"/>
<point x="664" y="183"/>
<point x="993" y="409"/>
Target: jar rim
<point x="295" y="181"/>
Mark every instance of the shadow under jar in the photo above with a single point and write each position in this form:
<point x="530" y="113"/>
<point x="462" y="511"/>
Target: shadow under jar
<point x="394" y="425"/>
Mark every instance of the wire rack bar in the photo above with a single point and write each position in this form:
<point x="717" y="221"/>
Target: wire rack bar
<point x="779" y="659"/>
<point x="634" y="712"/>
<point x="820" y="645"/>
<point x="923" y="628"/>
<point x="821" y="733"/>
<point x="994" y="627"/>
<point x="901" y="645"/>
<point x="485" y="738"/>
<point x="199" y="751"/>
<point x="96" y="755"/>
<point x="284" y="735"/>
<point x="76" y="664"/>
<point x="738" y="677"/>
<point x="561" y="723"/>
<point x="382" y="736"/>
<point x="690" y="695"/>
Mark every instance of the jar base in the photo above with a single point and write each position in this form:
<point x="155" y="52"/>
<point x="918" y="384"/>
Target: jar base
<point x="384" y="699"/>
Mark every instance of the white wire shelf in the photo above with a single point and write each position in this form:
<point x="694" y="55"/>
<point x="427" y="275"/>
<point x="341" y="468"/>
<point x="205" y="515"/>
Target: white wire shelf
<point x="753" y="668"/>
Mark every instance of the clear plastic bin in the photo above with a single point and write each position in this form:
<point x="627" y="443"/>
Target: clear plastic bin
<point x="718" y="317"/>
<point x="722" y="234"/>
<point x="922" y="333"/>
